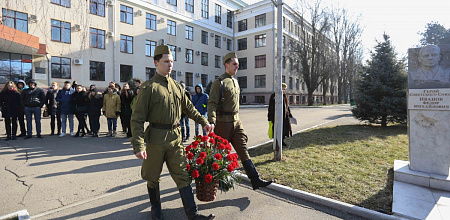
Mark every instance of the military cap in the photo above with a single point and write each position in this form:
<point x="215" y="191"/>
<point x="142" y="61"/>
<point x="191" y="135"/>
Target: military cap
<point x="229" y="56"/>
<point x="162" y="49"/>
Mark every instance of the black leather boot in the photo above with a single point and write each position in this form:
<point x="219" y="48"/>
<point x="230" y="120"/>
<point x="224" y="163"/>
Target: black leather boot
<point x="189" y="205"/>
<point x="155" y="201"/>
<point x="254" y="176"/>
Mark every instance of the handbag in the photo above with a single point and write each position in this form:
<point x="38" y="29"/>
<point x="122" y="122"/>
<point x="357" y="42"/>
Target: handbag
<point x="45" y="113"/>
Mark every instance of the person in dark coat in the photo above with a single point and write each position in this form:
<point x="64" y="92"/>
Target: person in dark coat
<point x="95" y="104"/>
<point x="21" y="85"/>
<point x="126" y="97"/>
<point x="33" y="99"/>
<point x="11" y="102"/>
<point x="79" y="101"/>
<point x="200" y="101"/>
<point x="184" y="122"/>
<point x="64" y="99"/>
<point x="287" y="130"/>
<point x="53" y="109"/>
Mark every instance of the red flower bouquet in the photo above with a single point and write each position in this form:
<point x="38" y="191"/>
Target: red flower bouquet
<point x="210" y="161"/>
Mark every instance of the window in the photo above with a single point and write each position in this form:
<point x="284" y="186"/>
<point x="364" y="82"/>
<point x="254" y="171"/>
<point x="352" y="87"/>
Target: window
<point x="242" y="44"/>
<point x="126" y="44"/>
<point x="283" y="79"/>
<point x="283" y="62"/>
<point x="303" y="85"/>
<point x="204" y="80"/>
<point x="171" y="27"/>
<point x="260" y="20"/>
<point x="218" y="42"/>
<point x="126" y="14"/>
<point x="172" y="2"/>
<point x="284" y="22"/>
<point x="189" y="79"/>
<point x="189" y="33"/>
<point x="60" y="31"/>
<point x="97" y="38"/>
<point x="244" y="99"/>
<point x="97" y="71"/>
<point x="64" y="3"/>
<point x="150" y="21"/>
<point x="284" y="41"/>
<point x="97" y="7"/>
<point x="291" y="63"/>
<point x="260" y="81"/>
<point x="297" y="84"/>
<point x="204" y="37"/>
<point x="189" y="56"/>
<point x="290" y="83"/>
<point x="229" y="19"/>
<point x="150" y="72"/>
<point x="242" y="63"/>
<point x="204" y="60"/>
<point x="173" y="74"/>
<point x="16" y="66"/>
<point x="189" y="5"/>
<point x="217" y="61"/>
<point x="126" y="73"/>
<point x="15" y="19"/>
<point x="260" y="40"/>
<point x="174" y="51"/>
<point x="205" y="8"/>
<point x="150" y="48"/>
<point x="229" y="45"/>
<point x="218" y="17"/>
<point x="242" y="80"/>
<point x="260" y="99"/>
<point x="61" y="67"/>
<point x="260" y="61"/>
<point x="242" y="25"/>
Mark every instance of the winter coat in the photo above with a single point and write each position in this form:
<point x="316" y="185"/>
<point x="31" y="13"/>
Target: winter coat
<point x="111" y="105"/>
<point x="95" y="105"/>
<point x="24" y="86"/>
<point x="287" y="130"/>
<point x="65" y="101"/>
<point x="79" y="101"/>
<point x="11" y="102"/>
<point x="200" y="100"/>
<point x="125" y="102"/>
<point x="189" y="97"/>
<point x="50" y="99"/>
<point x="33" y="97"/>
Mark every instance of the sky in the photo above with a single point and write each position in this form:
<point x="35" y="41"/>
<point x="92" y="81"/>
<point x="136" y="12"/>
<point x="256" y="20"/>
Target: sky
<point x="400" y="19"/>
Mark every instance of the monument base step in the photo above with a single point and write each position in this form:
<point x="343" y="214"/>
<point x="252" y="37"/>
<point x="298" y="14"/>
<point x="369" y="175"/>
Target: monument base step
<point x="402" y="173"/>
<point x="418" y="202"/>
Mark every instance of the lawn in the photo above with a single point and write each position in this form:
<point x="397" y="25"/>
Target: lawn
<point x="352" y="164"/>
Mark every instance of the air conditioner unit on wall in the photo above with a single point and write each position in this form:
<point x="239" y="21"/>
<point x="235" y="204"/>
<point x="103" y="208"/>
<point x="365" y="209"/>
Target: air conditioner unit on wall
<point x="180" y="73"/>
<point x="77" y="27"/>
<point x="179" y="49"/>
<point x="212" y="34"/>
<point x="139" y="13"/>
<point x="78" y="61"/>
<point x="162" y="42"/>
<point x="198" y="53"/>
<point x="111" y="2"/>
<point x="197" y="74"/>
<point x="110" y="34"/>
<point x="34" y="18"/>
<point x="162" y="20"/>
<point x="224" y="38"/>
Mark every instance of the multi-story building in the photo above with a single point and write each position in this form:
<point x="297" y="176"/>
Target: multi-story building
<point x="98" y="41"/>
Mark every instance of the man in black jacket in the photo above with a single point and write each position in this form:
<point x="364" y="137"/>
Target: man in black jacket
<point x="33" y="99"/>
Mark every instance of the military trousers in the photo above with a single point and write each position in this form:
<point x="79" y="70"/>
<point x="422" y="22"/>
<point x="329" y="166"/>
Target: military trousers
<point x="165" y="146"/>
<point x="235" y="134"/>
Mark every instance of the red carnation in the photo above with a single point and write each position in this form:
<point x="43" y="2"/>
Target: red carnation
<point x="212" y="141"/>
<point x="195" y="144"/>
<point x="188" y="148"/>
<point x="225" y="141"/>
<point x="215" y="166"/>
<point x="202" y="155"/>
<point x="198" y="137"/>
<point x="205" y="138"/>
<point x="211" y="134"/>
<point x="230" y="168"/>
<point x="190" y="156"/>
<point x="188" y="167"/>
<point x="218" y="156"/>
<point x="195" y="174"/>
<point x="199" y="161"/>
<point x="208" y="178"/>
<point x="230" y="157"/>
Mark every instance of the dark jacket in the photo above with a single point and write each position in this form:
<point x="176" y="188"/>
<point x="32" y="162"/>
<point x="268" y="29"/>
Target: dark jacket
<point x="125" y="102"/>
<point x="79" y="101"/>
<point x="287" y="130"/>
<point x="65" y="101"/>
<point x="189" y="97"/>
<point x="200" y="100"/>
<point x="95" y="105"/>
<point x="33" y="97"/>
<point x="50" y="99"/>
<point x="11" y="102"/>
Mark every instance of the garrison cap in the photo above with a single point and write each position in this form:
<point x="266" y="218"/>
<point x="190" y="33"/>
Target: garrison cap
<point x="229" y="56"/>
<point x="162" y="49"/>
<point x="283" y="85"/>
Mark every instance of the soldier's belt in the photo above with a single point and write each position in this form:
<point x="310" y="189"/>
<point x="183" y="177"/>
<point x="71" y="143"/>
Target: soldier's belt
<point x="227" y="113"/>
<point x="165" y="126"/>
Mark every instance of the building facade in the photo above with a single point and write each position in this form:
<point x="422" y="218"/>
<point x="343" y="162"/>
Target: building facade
<point x="99" y="41"/>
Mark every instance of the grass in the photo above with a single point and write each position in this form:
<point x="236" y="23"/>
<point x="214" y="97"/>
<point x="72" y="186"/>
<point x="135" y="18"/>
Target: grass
<point x="352" y="164"/>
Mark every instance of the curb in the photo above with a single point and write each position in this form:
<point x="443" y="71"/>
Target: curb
<point x="353" y="209"/>
<point x="21" y="215"/>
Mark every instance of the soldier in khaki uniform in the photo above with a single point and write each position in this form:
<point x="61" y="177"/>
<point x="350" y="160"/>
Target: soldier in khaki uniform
<point x="223" y="111"/>
<point x="160" y="102"/>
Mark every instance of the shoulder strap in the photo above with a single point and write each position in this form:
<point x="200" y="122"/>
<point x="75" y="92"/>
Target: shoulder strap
<point x="222" y="97"/>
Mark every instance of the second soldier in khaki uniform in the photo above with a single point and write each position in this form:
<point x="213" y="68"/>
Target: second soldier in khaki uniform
<point x="160" y="102"/>
<point x="223" y="111"/>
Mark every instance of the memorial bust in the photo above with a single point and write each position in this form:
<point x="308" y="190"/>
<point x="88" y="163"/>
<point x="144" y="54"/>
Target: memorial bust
<point x="429" y="69"/>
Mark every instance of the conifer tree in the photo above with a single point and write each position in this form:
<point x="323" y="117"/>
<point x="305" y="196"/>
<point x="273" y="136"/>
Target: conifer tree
<point x="381" y="90"/>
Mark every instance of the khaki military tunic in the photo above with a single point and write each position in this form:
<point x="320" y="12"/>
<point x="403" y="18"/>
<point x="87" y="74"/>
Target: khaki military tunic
<point x="161" y="101"/>
<point x="225" y="113"/>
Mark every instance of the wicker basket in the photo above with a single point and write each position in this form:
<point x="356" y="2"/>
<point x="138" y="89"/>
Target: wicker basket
<point x="206" y="192"/>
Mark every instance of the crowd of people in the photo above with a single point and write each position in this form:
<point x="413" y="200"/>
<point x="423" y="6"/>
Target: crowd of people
<point x="20" y="101"/>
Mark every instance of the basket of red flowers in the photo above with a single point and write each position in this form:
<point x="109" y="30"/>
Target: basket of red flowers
<point x="210" y="163"/>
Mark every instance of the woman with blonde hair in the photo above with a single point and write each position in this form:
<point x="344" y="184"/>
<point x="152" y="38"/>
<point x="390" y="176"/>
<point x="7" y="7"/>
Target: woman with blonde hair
<point x="10" y="101"/>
